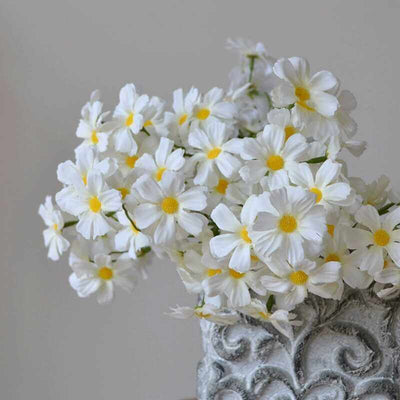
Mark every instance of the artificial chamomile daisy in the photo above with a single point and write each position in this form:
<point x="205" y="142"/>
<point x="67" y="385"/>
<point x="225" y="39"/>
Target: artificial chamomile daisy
<point x="235" y="286"/>
<point x="281" y="320"/>
<point x="288" y="219"/>
<point x="309" y="94"/>
<point x="128" y="117"/>
<point x="164" y="160"/>
<point x="129" y="237"/>
<point x="93" y="128"/>
<point x="270" y="154"/>
<point x="206" y="311"/>
<point x="213" y="153"/>
<point x="166" y="203"/>
<point x="100" y="277"/>
<point x="153" y="116"/>
<point x="179" y="120"/>
<point x="382" y="236"/>
<point x="292" y="282"/>
<point x="212" y="107"/>
<point x="91" y="205"/>
<point x="53" y="238"/>
<point x="328" y="191"/>
<point x="234" y="237"/>
<point x="285" y="119"/>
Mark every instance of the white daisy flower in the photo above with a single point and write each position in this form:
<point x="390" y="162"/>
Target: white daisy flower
<point x="373" y="194"/>
<point x="53" y="238"/>
<point x="283" y="118"/>
<point x="164" y="160"/>
<point x="153" y="116"/>
<point x="340" y="124"/>
<point x="281" y="320"/>
<point x="129" y="237"/>
<point x="382" y="236"/>
<point x="127" y="162"/>
<point x="128" y="117"/>
<point x="213" y="108"/>
<point x="336" y="249"/>
<point x="228" y="191"/>
<point x="247" y="48"/>
<point x="234" y="237"/>
<point x="235" y="286"/>
<point x="195" y="270"/>
<point x="309" y="94"/>
<point x="167" y="203"/>
<point x="288" y="219"/>
<point x="124" y="186"/>
<point x="207" y="311"/>
<point x="92" y="127"/>
<point x="269" y="153"/>
<point x="87" y="160"/>
<point x="180" y="119"/>
<point x="90" y="205"/>
<point x="100" y="277"/>
<point x="328" y="192"/>
<point x="388" y="276"/>
<point x="292" y="282"/>
<point x="213" y="153"/>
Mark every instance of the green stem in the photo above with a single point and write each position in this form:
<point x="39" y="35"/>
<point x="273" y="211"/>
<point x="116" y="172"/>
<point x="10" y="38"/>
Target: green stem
<point x="317" y="160"/>
<point x="130" y="219"/>
<point x="70" y="223"/>
<point x="385" y="209"/>
<point x="252" y="60"/>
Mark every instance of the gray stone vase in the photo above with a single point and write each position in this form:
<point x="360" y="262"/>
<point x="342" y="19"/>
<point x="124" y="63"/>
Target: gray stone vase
<point x="345" y="350"/>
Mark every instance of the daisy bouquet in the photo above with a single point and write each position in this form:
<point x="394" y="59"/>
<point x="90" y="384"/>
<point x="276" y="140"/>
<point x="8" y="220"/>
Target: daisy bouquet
<point x="245" y="190"/>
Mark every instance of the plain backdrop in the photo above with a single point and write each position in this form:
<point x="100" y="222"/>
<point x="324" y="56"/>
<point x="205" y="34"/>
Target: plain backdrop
<point x="54" y="346"/>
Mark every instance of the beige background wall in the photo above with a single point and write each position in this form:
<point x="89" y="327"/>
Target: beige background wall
<point x="54" y="346"/>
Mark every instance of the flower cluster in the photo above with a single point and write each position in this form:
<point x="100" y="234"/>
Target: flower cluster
<point x="245" y="190"/>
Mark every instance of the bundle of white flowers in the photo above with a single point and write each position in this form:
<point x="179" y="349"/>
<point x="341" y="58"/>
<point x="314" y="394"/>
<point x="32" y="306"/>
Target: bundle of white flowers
<point x="244" y="190"/>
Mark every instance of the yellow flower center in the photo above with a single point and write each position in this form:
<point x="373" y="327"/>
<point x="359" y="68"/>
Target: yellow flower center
<point x="200" y="314"/>
<point x="289" y="131"/>
<point x="148" y="123"/>
<point x="245" y="235"/>
<point x="275" y="162"/>
<point x="105" y="273"/>
<point x="264" y="315"/>
<point x="235" y="274"/>
<point x="159" y="173"/>
<point x="130" y="161"/>
<point x="332" y="257"/>
<point x="381" y="237"/>
<point x="94" y="137"/>
<point x="55" y="227"/>
<point x="182" y="119"/>
<point x="84" y="179"/>
<point x="129" y="119"/>
<point x="288" y="224"/>
<point x="124" y="192"/>
<point x="212" y="272"/>
<point x="94" y="204"/>
<point x="254" y="258"/>
<point x="331" y="229"/>
<point x="303" y="95"/>
<point x="214" y="153"/>
<point x="170" y="205"/>
<point x="203" y="113"/>
<point x="298" y="278"/>
<point x="222" y="186"/>
<point x="318" y="193"/>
